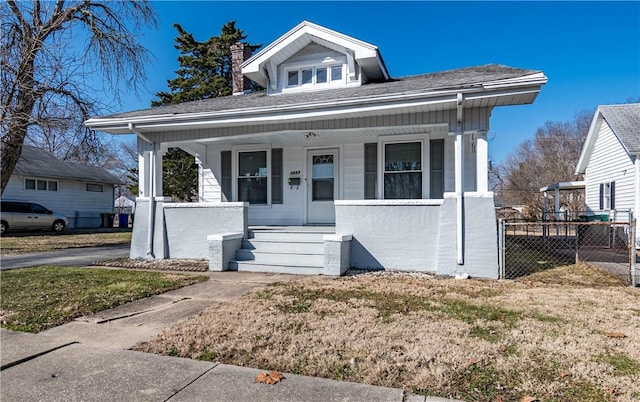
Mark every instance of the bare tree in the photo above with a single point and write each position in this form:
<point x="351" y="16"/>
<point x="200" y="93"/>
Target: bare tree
<point x="48" y="52"/>
<point x="550" y="157"/>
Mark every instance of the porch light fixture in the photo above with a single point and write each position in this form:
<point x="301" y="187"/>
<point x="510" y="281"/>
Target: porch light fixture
<point x="310" y="135"/>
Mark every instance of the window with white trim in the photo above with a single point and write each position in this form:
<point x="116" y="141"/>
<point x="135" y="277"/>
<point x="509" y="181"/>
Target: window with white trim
<point x="40" y="184"/>
<point x="252" y="177"/>
<point x="608" y="196"/>
<point x="313" y="76"/>
<point x="402" y="170"/>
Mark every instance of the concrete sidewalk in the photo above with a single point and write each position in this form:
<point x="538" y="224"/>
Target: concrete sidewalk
<point x="88" y="360"/>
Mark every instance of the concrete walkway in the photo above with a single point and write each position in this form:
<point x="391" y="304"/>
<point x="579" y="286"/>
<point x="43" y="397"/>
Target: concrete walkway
<point x="88" y="360"/>
<point x="76" y="257"/>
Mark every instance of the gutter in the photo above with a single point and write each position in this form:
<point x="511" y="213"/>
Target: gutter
<point x="152" y="199"/>
<point x="272" y="113"/>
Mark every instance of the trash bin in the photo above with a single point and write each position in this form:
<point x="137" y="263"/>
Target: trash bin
<point x="123" y="220"/>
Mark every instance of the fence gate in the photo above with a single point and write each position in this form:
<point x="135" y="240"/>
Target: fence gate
<point x="529" y="247"/>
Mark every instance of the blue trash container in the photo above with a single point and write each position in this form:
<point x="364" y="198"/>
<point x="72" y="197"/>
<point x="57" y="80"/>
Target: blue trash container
<point x="123" y="220"/>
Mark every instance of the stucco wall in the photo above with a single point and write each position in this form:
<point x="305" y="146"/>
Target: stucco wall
<point x="391" y="234"/>
<point x="181" y="229"/>
<point x="420" y="235"/>
<point x="480" y="238"/>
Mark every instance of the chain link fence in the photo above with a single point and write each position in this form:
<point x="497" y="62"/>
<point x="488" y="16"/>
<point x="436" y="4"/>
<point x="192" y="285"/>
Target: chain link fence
<point x="529" y="247"/>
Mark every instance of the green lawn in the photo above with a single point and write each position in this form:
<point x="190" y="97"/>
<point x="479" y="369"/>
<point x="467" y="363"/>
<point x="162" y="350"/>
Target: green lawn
<point x="34" y="299"/>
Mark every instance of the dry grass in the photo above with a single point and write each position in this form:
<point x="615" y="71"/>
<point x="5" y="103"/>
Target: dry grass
<point x="21" y="244"/>
<point x="474" y="340"/>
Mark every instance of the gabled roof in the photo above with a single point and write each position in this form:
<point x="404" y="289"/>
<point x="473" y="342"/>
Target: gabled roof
<point x="40" y="163"/>
<point x="492" y="80"/>
<point x="624" y="121"/>
<point x="262" y="65"/>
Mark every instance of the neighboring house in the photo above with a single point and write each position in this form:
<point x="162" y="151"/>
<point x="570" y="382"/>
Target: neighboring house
<point x="364" y="170"/>
<point x="80" y="192"/>
<point x="124" y="205"/>
<point x="610" y="162"/>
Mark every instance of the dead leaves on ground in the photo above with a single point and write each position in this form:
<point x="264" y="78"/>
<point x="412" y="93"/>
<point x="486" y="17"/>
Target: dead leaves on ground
<point x="270" y="378"/>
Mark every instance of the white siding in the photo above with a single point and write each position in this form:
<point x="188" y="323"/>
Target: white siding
<point x="610" y="162"/>
<point x="208" y="174"/>
<point x="81" y="207"/>
<point x="353" y="172"/>
<point x="475" y="119"/>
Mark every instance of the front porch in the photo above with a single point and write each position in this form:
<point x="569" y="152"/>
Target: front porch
<point x="407" y="235"/>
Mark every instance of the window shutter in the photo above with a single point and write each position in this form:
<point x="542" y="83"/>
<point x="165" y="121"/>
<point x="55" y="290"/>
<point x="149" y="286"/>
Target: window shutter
<point x="225" y="173"/>
<point x="276" y="176"/>
<point x="613" y="194"/>
<point x="601" y="197"/>
<point x="370" y="170"/>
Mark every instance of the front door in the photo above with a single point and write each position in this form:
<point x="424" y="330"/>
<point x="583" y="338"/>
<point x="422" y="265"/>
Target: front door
<point x="322" y="185"/>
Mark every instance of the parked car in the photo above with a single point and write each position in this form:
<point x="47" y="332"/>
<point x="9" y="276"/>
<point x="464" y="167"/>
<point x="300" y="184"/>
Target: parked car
<point x="29" y="216"/>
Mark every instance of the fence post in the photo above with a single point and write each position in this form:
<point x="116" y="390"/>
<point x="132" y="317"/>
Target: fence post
<point x="633" y="253"/>
<point x="501" y="235"/>
<point x="577" y="243"/>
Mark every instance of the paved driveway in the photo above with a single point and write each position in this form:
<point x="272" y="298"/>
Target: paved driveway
<point x="69" y="257"/>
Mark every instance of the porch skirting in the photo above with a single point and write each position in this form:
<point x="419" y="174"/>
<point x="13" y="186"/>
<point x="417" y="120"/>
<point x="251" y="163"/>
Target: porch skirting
<point x="404" y="235"/>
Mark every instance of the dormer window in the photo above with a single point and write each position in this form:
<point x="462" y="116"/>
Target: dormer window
<point x="314" y="76"/>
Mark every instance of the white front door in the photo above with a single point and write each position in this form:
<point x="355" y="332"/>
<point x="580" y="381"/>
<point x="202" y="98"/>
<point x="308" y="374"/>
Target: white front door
<point x="322" y="185"/>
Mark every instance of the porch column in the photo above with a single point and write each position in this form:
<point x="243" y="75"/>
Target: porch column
<point x="144" y="167"/>
<point x="459" y="184"/>
<point x="157" y="172"/>
<point x="482" y="164"/>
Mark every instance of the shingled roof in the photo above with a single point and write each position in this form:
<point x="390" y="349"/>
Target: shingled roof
<point x="624" y="120"/>
<point x="457" y="79"/>
<point x="41" y="163"/>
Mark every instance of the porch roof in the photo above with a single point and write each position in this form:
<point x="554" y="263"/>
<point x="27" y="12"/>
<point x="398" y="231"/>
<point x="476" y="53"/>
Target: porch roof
<point x="469" y="80"/>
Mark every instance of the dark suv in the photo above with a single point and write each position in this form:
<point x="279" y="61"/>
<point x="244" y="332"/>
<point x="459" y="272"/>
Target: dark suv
<point x="29" y="216"/>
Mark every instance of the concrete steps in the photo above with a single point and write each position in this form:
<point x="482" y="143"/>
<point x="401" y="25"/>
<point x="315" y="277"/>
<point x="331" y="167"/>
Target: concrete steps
<point x="283" y="250"/>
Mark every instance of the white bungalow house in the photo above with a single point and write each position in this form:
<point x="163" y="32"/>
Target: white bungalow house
<point x="610" y="162"/>
<point x="82" y="193"/>
<point x="335" y="165"/>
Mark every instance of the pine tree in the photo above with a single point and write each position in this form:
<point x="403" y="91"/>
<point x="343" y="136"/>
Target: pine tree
<point x="204" y="73"/>
<point x="205" y="67"/>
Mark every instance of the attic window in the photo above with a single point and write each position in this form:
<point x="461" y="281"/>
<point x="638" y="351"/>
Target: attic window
<point x="314" y="76"/>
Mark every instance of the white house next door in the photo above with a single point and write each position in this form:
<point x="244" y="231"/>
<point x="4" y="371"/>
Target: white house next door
<point x="322" y="185"/>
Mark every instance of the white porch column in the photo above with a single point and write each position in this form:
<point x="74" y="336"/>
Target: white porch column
<point x="482" y="164"/>
<point x="144" y="169"/>
<point x="157" y="172"/>
<point x="459" y="176"/>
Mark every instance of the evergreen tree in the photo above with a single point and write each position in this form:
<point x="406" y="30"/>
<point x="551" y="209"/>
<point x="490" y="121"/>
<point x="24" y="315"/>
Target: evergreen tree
<point x="205" y="67"/>
<point x="204" y="73"/>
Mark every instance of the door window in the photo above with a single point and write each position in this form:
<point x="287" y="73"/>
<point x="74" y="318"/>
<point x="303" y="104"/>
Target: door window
<point x="322" y="178"/>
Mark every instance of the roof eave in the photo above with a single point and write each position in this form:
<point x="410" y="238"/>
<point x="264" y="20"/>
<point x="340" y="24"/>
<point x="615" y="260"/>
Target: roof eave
<point x="297" y="111"/>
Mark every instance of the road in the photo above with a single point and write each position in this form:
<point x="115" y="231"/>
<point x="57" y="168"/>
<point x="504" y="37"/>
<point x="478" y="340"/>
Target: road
<point x="69" y="257"/>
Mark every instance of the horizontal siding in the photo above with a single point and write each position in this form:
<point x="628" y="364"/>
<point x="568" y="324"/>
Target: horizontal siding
<point x="475" y="119"/>
<point x="292" y="211"/>
<point x="610" y="162"/>
<point x="72" y="199"/>
<point x="353" y="171"/>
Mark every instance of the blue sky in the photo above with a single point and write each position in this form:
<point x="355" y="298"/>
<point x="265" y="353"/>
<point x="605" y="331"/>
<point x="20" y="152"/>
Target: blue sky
<point x="590" y="51"/>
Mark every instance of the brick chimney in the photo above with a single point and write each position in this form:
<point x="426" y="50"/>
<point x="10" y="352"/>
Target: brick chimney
<point x="239" y="54"/>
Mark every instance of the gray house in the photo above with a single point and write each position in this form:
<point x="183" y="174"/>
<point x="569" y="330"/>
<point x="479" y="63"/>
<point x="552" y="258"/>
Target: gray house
<point x="335" y="165"/>
<point x="80" y="192"/>
<point x="610" y="161"/>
